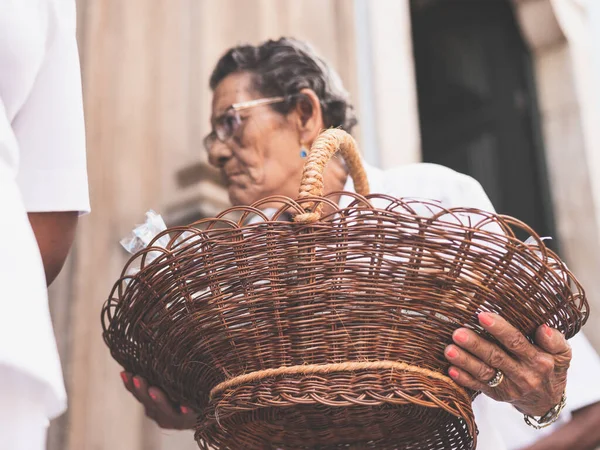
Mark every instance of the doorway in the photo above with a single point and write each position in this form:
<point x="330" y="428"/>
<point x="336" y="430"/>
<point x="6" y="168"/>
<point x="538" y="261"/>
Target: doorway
<point x="477" y="105"/>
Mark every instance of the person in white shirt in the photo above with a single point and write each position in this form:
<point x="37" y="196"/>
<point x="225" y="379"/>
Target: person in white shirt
<point x="269" y="104"/>
<point x="43" y="190"/>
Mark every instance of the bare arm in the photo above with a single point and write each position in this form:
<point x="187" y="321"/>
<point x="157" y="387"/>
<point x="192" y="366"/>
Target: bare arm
<point x="54" y="232"/>
<point x="581" y="432"/>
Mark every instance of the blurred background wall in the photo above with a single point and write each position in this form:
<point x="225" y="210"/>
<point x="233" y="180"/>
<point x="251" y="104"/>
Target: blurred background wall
<point x="505" y="92"/>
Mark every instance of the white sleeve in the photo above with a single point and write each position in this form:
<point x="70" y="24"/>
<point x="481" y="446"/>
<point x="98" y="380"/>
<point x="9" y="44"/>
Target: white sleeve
<point x="50" y="128"/>
<point x="457" y="190"/>
<point x="583" y="388"/>
<point x="471" y="194"/>
<point x="440" y="183"/>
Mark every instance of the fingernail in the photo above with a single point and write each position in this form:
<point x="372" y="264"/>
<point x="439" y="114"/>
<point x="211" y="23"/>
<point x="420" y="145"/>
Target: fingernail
<point x="451" y="352"/>
<point x="453" y="372"/>
<point x="461" y="336"/>
<point x="152" y="395"/>
<point x="136" y="382"/>
<point x="486" y="319"/>
<point x="548" y="331"/>
<point x="124" y="377"/>
<point x="184" y="410"/>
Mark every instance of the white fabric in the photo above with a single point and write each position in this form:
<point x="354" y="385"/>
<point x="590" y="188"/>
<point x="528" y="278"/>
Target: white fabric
<point x="40" y="87"/>
<point x="23" y="419"/>
<point x="42" y="168"/>
<point x="501" y="427"/>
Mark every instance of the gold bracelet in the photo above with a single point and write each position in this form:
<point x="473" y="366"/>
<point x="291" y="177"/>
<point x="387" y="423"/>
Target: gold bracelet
<point x="547" y="419"/>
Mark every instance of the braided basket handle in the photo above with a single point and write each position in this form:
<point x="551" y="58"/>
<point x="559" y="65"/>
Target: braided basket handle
<point x="327" y="144"/>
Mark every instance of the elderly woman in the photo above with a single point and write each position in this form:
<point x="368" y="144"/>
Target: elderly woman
<point x="270" y="102"/>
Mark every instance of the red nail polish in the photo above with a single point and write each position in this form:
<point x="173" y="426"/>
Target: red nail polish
<point x="548" y="331"/>
<point x="451" y="352"/>
<point x="124" y="377"/>
<point x="136" y="382"/>
<point x="453" y="372"/>
<point x="152" y="395"/>
<point x="461" y="336"/>
<point x="184" y="410"/>
<point x="486" y="319"/>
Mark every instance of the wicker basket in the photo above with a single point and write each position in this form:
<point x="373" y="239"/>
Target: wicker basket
<point x="328" y="330"/>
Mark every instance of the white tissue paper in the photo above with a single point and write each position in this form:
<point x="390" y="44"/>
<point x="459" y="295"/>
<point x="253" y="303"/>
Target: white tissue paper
<point x="142" y="235"/>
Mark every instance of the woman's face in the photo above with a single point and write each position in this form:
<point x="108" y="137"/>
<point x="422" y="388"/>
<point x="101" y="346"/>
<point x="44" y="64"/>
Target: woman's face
<point x="263" y="157"/>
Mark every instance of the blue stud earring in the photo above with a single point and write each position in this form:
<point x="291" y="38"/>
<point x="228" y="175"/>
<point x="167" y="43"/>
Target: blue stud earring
<point x="303" y="152"/>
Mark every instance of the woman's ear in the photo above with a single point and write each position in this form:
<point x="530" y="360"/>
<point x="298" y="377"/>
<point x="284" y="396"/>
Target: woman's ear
<point x="309" y="116"/>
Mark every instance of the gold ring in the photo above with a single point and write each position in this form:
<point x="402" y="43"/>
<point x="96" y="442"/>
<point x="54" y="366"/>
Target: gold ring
<point x="495" y="382"/>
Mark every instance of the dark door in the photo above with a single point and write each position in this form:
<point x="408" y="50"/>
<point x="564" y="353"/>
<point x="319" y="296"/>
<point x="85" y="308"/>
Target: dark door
<point x="477" y="104"/>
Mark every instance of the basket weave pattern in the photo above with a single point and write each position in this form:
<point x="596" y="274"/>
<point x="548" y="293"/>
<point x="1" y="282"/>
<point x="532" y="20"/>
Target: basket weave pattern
<point x="328" y="331"/>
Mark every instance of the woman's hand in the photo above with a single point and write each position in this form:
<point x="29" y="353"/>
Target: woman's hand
<point x="158" y="406"/>
<point x="535" y="376"/>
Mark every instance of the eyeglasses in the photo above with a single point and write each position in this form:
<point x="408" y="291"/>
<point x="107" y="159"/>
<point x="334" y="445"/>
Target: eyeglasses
<point x="228" y="124"/>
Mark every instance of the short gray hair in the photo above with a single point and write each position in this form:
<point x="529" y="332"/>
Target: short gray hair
<point x="283" y="68"/>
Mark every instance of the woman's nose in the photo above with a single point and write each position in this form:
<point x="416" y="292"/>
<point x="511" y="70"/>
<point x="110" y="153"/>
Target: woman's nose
<point x="218" y="154"/>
